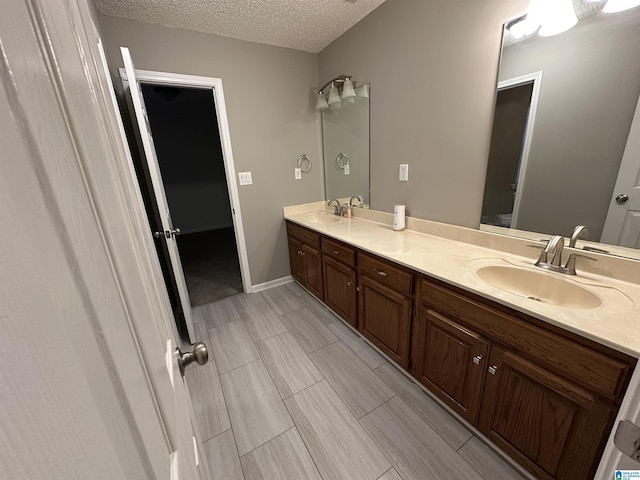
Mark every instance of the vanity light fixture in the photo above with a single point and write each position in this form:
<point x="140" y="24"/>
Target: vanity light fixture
<point x="321" y="103"/>
<point x="547" y="17"/>
<point x="363" y="91"/>
<point x="614" y="6"/>
<point x="341" y="91"/>
<point x="559" y="17"/>
<point x="334" y="96"/>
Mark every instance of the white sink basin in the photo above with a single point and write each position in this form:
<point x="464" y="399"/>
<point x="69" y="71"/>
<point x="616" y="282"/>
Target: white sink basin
<point x="322" y="217"/>
<point x="539" y="286"/>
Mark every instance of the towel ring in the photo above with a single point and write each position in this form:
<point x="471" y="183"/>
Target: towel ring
<point x="304" y="164"/>
<point x="342" y="160"/>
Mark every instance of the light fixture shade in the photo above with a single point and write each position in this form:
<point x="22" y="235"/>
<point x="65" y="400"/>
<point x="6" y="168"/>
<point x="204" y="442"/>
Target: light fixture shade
<point x="347" y="89"/>
<point x="559" y="16"/>
<point x="334" y="97"/>
<point x="321" y="103"/>
<point x="348" y="100"/>
<point x="363" y="91"/>
<point x="614" y="6"/>
<point x="524" y="27"/>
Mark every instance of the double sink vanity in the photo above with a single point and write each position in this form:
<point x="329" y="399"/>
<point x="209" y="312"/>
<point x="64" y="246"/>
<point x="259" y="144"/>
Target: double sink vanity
<point x="537" y="361"/>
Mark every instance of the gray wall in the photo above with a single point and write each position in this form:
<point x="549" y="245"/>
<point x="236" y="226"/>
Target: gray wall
<point x="432" y="67"/>
<point x="590" y="87"/>
<point x="272" y="120"/>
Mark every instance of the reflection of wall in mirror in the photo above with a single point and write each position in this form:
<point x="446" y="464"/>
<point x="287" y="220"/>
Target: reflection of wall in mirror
<point x="346" y="130"/>
<point x="589" y="90"/>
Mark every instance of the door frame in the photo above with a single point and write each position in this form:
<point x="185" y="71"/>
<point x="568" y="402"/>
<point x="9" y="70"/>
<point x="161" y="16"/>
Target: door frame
<point x="215" y="84"/>
<point x="536" y="78"/>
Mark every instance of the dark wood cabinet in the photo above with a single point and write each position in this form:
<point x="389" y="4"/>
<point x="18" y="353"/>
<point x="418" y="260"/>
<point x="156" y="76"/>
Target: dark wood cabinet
<point x="385" y="305"/>
<point x="547" y="397"/>
<point x="452" y="362"/>
<point x="340" y="289"/>
<point x="305" y="259"/>
<point x="295" y="259"/>
<point x="551" y="426"/>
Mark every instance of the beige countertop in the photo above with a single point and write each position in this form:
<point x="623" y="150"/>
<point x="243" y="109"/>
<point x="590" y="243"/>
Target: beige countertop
<point x="615" y="323"/>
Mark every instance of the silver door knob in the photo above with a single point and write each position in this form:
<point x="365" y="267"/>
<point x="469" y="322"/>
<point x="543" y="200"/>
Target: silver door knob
<point x="623" y="197"/>
<point x="158" y="234"/>
<point x="199" y="354"/>
<point x="175" y="232"/>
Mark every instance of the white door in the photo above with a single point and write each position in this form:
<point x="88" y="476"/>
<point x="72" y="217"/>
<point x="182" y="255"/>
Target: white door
<point x="89" y="385"/>
<point x="132" y="87"/>
<point x="622" y="226"/>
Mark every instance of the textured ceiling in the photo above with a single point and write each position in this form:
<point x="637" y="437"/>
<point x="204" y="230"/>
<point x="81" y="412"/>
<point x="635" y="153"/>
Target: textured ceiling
<point x="308" y="25"/>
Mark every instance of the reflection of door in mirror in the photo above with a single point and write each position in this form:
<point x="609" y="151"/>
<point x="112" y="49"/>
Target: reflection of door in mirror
<point x="345" y="142"/>
<point x="509" y="122"/>
<point x="516" y="103"/>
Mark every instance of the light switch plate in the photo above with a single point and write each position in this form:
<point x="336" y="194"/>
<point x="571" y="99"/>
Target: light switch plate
<point x="245" y="178"/>
<point x="404" y="172"/>
<point x="347" y="171"/>
<point x="297" y="173"/>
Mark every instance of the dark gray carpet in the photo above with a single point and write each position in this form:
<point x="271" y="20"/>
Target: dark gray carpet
<point x="211" y="266"/>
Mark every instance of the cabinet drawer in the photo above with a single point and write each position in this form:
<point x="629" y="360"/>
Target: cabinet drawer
<point x="599" y="369"/>
<point x="385" y="273"/>
<point x="339" y="251"/>
<point x="305" y="236"/>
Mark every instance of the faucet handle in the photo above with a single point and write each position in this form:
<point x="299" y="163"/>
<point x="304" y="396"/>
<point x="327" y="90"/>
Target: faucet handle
<point x="571" y="262"/>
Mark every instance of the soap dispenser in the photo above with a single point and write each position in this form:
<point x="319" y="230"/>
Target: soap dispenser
<point x="398" y="217"/>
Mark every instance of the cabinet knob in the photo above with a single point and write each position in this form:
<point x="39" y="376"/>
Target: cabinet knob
<point x="380" y="272"/>
<point x="358" y="289"/>
<point x="349" y="283"/>
<point x="493" y="369"/>
<point x="336" y="252"/>
<point x="477" y="359"/>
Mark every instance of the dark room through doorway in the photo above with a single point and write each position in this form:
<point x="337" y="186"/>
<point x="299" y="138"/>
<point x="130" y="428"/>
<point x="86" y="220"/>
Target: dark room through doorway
<point x="185" y="132"/>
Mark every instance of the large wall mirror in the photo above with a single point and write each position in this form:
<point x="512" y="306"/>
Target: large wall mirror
<point x="345" y="143"/>
<point x="564" y="112"/>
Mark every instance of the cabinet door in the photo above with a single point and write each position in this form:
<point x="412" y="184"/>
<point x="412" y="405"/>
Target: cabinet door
<point x="312" y="270"/>
<point x="295" y="260"/>
<point x="451" y="361"/>
<point x="552" y="427"/>
<point x="340" y="289"/>
<point x="384" y="318"/>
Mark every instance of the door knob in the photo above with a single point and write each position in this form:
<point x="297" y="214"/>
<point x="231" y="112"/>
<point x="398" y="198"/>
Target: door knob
<point x="158" y="234"/>
<point x="623" y="197"/>
<point x="199" y="354"/>
<point x="175" y="232"/>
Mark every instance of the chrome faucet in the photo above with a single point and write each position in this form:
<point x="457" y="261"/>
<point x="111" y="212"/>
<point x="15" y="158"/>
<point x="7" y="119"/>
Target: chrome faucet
<point x="554" y="247"/>
<point x="337" y="206"/>
<point x="579" y="232"/>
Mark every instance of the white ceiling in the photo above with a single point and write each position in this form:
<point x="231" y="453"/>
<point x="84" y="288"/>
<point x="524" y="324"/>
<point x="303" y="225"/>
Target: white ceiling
<point x="308" y="25"/>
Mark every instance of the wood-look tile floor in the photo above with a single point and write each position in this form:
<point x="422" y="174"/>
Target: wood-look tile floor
<point x="292" y="393"/>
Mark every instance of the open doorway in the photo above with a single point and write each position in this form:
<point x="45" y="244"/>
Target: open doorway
<point x="185" y="130"/>
<point x="515" y="110"/>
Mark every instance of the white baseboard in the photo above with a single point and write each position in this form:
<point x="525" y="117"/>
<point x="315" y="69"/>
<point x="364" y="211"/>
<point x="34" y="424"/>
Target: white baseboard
<point x="271" y="283"/>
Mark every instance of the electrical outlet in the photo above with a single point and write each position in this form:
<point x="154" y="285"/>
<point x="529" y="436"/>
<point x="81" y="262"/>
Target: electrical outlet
<point x="297" y="173"/>
<point x="245" y="178"/>
<point x="404" y="172"/>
